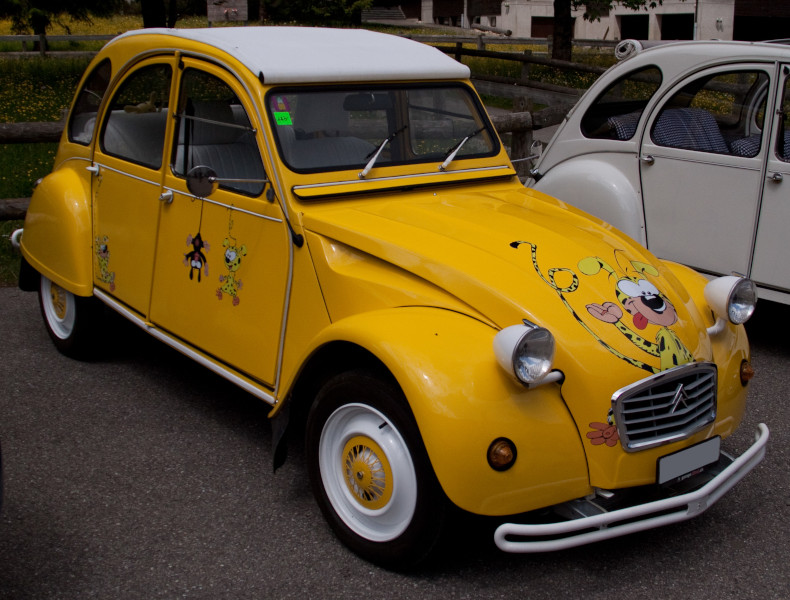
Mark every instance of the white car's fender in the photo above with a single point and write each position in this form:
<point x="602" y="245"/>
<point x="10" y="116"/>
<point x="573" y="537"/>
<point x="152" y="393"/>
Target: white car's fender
<point x="600" y="188"/>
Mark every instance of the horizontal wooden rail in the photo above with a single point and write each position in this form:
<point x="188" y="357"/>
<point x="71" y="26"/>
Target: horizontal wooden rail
<point x="519" y="124"/>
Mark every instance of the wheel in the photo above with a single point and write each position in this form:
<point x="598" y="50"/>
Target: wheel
<point x="370" y="473"/>
<point x="70" y="319"/>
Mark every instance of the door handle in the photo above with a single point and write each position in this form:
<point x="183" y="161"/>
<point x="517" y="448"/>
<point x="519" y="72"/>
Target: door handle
<point x="647" y="159"/>
<point x="94" y="169"/>
<point x="166" y="197"/>
<point x="776" y="177"/>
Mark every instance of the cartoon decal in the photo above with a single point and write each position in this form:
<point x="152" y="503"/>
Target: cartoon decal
<point x="233" y="253"/>
<point x="103" y="256"/>
<point x="641" y="299"/>
<point x="195" y="259"/>
<point x="604" y="433"/>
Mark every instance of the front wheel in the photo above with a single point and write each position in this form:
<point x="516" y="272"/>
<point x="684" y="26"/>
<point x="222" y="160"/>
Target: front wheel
<point x="369" y="471"/>
<point x="70" y="319"/>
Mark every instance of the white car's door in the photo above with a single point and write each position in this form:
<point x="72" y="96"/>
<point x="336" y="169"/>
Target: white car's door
<point x="770" y="267"/>
<point x="702" y="168"/>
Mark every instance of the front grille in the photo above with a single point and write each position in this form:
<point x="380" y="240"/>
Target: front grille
<point x="666" y="407"/>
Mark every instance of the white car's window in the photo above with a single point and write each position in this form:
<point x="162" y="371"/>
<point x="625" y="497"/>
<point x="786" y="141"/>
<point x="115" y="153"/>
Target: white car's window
<point x="616" y="112"/>
<point x="721" y="113"/>
<point x="213" y="130"/>
<point x="783" y="139"/>
<point x="325" y="130"/>
<point x="86" y="106"/>
<point x="134" y="126"/>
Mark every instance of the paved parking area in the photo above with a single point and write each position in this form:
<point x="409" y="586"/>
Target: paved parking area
<point x="142" y="475"/>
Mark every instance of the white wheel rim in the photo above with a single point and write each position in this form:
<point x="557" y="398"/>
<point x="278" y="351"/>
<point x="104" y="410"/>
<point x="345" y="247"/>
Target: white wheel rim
<point x="59" y="308"/>
<point x="395" y="482"/>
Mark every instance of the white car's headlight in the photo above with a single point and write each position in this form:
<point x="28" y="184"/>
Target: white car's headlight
<point x="526" y="351"/>
<point x="732" y="298"/>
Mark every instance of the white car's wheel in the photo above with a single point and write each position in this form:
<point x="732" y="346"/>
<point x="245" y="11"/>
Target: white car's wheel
<point x="369" y="471"/>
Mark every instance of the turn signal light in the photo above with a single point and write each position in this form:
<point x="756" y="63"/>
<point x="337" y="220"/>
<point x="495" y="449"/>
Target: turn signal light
<point x="501" y="454"/>
<point x="747" y="372"/>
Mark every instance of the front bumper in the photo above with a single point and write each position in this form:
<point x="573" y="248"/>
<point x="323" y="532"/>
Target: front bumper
<point x="546" y="537"/>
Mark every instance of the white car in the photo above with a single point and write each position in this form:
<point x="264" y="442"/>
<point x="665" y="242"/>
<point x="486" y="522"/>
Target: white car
<point x="684" y="146"/>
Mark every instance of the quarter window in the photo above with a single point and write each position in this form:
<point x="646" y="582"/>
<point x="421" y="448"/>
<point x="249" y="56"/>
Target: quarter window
<point x="213" y="130"/>
<point x="86" y="106"/>
<point x="722" y="113"/>
<point x="616" y="112"/>
<point x="783" y="139"/>
<point x="134" y="128"/>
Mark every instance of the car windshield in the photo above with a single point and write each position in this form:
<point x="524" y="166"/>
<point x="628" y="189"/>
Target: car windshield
<point x="373" y="127"/>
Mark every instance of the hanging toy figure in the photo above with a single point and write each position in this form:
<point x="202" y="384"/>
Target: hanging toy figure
<point x="195" y="259"/>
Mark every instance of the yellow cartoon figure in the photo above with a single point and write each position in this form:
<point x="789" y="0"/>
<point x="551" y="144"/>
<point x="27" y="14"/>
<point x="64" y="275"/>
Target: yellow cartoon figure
<point x="230" y="284"/>
<point x="646" y="305"/>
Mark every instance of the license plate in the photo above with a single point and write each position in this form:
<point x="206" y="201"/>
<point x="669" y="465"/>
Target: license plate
<point x="688" y="462"/>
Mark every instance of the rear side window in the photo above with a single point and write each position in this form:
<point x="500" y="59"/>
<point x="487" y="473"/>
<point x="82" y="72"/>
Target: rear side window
<point x="616" y="112"/>
<point x="86" y="106"/>
<point x="134" y="127"/>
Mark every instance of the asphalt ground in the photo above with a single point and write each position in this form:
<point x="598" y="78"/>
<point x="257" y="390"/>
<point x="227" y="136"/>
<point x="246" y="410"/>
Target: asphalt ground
<point x="142" y="475"/>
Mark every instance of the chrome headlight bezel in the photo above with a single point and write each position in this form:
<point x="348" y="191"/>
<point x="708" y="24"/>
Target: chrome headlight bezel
<point x="526" y="351"/>
<point x="732" y="298"/>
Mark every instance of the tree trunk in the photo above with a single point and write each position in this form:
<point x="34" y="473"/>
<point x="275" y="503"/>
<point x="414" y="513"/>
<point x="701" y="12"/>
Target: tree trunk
<point x="172" y="13"/>
<point x="153" y="13"/>
<point x="563" y="30"/>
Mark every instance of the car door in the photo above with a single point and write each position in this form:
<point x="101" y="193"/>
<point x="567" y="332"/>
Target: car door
<point x="127" y="165"/>
<point x="770" y="267"/>
<point x="222" y="262"/>
<point x="702" y="163"/>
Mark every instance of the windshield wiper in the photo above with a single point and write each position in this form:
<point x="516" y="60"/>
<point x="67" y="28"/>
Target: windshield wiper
<point x="455" y="149"/>
<point x="363" y="173"/>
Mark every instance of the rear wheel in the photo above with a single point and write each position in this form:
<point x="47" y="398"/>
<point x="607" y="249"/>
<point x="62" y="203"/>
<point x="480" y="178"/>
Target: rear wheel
<point x="370" y="473"/>
<point x="70" y="319"/>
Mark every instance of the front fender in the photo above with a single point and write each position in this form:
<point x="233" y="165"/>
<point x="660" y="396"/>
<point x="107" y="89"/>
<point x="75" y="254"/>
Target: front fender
<point x="463" y="400"/>
<point x="57" y="236"/>
<point x="601" y="188"/>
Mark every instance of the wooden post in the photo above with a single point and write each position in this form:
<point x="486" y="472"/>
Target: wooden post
<point x="521" y="140"/>
<point x="525" y="67"/>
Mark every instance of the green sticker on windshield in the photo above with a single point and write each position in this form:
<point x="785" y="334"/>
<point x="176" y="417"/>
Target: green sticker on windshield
<point x="283" y="118"/>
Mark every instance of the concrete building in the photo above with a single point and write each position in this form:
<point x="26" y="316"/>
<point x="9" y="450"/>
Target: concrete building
<point x="673" y="19"/>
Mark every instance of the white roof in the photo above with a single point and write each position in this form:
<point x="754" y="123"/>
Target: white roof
<point x="312" y="54"/>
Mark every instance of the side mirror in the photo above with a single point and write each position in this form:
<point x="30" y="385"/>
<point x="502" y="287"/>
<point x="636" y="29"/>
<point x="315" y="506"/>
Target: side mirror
<point x="202" y="181"/>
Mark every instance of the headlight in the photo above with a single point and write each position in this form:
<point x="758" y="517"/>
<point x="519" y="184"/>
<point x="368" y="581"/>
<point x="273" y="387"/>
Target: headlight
<point x="526" y="351"/>
<point x="732" y="298"/>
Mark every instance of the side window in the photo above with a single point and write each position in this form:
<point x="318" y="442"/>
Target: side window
<point x="783" y="139"/>
<point x="86" y="106"/>
<point x="616" y="112"/>
<point x="134" y="125"/>
<point x="213" y="130"/>
<point x="721" y="113"/>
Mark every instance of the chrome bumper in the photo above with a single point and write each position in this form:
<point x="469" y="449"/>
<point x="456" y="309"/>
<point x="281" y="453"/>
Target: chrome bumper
<point x="607" y="525"/>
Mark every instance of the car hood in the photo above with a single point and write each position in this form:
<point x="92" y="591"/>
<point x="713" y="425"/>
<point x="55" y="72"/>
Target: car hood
<point x="506" y="254"/>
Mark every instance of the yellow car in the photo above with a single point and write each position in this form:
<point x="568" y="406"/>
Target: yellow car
<point x="329" y="220"/>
